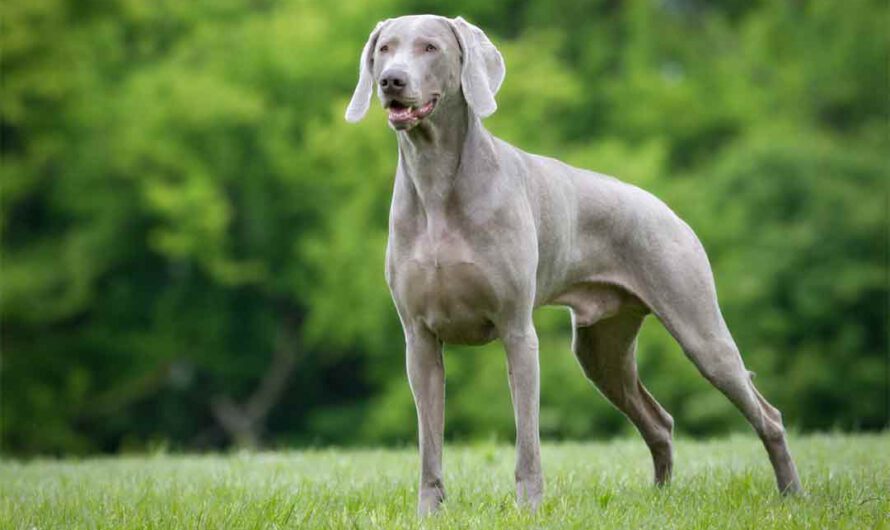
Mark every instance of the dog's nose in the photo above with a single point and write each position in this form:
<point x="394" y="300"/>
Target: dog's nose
<point x="393" y="81"/>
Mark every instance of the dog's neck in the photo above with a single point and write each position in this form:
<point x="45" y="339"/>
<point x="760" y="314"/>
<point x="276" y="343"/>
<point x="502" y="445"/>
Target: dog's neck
<point x="430" y="153"/>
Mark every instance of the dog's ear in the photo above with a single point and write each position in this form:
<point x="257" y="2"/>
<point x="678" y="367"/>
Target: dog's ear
<point x="482" y="70"/>
<point x="361" y="98"/>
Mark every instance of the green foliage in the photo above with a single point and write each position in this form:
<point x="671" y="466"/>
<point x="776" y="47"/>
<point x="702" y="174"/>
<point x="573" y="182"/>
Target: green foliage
<point x="719" y="484"/>
<point x="181" y="196"/>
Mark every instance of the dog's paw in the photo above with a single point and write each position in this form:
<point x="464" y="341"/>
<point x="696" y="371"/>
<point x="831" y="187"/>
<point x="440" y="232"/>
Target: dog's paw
<point x="430" y="499"/>
<point x="529" y="493"/>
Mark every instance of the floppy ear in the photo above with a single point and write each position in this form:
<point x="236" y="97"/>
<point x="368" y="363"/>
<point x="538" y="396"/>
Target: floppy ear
<point x="361" y="98"/>
<point x="482" y="71"/>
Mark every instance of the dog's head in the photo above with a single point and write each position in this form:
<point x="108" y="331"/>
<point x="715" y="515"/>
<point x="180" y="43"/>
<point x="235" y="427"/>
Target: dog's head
<point x="416" y="62"/>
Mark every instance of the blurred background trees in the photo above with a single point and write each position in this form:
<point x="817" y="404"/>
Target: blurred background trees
<point x="193" y="238"/>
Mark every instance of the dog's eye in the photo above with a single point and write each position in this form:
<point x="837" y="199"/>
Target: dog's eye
<point x="384" y="48"/>
<point x="431" y="47"/>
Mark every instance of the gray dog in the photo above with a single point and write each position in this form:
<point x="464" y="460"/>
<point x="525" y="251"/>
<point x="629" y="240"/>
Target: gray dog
<point x="481" y="233"/>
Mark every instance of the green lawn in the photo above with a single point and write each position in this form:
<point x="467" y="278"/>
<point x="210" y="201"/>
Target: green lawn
<point x="716" y="484"/>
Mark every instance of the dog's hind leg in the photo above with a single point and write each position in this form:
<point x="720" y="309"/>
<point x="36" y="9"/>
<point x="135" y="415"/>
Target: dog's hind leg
<point x="606" y="352"/>
<point x="683" y="296"/>
<point x="717" y="357"/>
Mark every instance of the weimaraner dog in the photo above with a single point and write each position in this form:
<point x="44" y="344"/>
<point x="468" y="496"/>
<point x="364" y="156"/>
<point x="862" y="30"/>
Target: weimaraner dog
<point x="481" y="233"/>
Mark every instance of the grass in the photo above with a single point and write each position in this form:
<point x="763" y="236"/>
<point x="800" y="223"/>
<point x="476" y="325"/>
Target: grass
<point x="717" y="484"/>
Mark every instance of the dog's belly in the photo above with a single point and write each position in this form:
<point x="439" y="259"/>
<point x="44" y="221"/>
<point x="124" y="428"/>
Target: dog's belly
<point x="453" y="299"/>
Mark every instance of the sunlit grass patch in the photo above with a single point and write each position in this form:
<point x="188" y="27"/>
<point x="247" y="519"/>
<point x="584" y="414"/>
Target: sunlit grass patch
<point x="717" y="484"/>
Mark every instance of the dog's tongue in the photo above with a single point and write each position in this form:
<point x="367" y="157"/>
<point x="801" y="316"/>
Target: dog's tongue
<point x="401" y="113"/>
<point x="410" y="113"/>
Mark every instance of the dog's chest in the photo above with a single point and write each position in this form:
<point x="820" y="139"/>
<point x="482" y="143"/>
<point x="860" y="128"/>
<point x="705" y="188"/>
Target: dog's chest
<point x="441" y="279"/>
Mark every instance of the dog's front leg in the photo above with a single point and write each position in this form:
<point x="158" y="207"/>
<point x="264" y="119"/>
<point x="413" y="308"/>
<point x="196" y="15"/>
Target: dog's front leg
<point x="426" y="374"/>
<point x="522" y="361"/>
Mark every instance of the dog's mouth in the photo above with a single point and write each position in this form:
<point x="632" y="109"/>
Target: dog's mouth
<point x="402" y="115"/>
